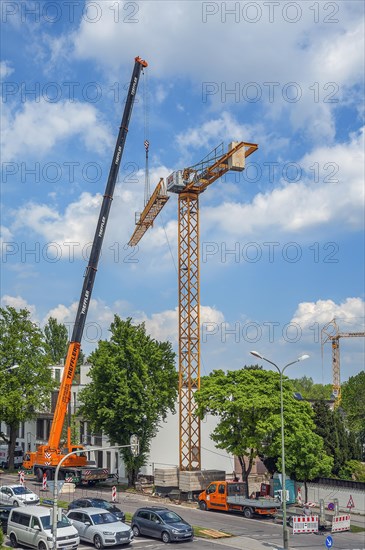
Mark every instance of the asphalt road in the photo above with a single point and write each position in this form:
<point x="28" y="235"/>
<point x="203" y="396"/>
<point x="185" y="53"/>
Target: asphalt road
<point x="247" y="534"/>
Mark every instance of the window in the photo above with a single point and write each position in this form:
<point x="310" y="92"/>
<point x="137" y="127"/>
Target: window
<point x="40" y="428"/>
<point x="144" y="515"/>
<point x="35" y="523"/>
<point x="22" y="519"/>
<point x="57" y="375"/>
<point x="211" y="488"/>
<point x="221" y="489"/>
<point x="155" y="518"/>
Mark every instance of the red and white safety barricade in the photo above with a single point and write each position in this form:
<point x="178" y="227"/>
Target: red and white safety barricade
<point x="114" y="493"/>
<point x="299" y="497"/>
<point x="305" y="524"/>
<point x="21" y="477"/>
<point x="340" y="523"/>
<point x="44" y="482"/>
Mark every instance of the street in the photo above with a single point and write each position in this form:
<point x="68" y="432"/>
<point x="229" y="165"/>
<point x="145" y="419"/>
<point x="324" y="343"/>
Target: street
<point x="247" y="534"/>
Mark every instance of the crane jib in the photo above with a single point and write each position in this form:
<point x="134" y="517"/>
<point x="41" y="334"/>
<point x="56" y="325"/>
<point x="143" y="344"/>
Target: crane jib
<point x="90" y="272"/>
<point x="89" y="278"/>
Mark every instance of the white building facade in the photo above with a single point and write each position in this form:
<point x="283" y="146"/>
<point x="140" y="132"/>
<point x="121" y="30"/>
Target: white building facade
<point x="164" y="450"/>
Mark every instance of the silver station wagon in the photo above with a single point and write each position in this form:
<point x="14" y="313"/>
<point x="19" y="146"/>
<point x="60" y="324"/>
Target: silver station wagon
<point x="100" y="527"/>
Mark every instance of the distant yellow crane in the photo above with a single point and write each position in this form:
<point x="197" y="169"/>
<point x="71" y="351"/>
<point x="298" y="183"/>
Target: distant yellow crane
<point x="330" y="332"/>
<point x="188" y="184"/>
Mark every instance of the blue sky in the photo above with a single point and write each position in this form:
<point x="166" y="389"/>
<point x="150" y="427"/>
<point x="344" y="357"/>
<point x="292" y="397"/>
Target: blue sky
<point x="282" y="244"/>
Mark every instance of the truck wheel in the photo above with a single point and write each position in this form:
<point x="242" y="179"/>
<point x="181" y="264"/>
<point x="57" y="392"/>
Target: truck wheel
<point x="98" y="543"/>
<point x="248" y="513"/>
<point x="13" y="541"/>
<point x="202" y="505"/>
<point x="42" y="546"/>
<point x="39" y="474"/>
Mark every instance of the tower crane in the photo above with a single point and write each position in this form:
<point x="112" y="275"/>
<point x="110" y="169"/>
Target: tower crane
<point x="188" y="184"/>
<point x="330" y="333"/>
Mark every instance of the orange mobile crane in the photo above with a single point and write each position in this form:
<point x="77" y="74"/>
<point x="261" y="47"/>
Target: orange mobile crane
<point x="330" y="332"/>
<point x="47" y="457"/>
<point x="188" y="184"/>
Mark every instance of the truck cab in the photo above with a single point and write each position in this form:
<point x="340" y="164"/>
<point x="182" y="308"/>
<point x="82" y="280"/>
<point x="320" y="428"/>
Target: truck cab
<point x="215" y="495"/>
<point x="4" y="456"/>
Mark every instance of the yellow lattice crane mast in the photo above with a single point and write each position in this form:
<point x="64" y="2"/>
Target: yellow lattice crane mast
<point x="330" y="333"/>
<point x="188" y="184"/>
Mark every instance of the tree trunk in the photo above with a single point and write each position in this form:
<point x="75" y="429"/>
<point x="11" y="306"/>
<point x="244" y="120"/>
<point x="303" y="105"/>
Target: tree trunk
<point x="246" y="470"/>
<point x="305" y="492"/>
<point x="12" y="443"/>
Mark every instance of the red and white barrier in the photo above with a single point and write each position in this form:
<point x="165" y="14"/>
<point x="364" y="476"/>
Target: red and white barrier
<point x="340" y="523"/>
<point x="299" y="497"/>
<point x="114" y="493"/>
<point x="44" y="482"/>
<point x="305" y="524"/>
<point x="21" y="477"/>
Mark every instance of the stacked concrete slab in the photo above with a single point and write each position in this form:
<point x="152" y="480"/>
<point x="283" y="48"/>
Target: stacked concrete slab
<point x="199" y="480"/>
<point x="166" y="479"/>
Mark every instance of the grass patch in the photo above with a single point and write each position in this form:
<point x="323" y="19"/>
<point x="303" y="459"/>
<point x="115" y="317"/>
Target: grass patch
<point x="356" y="529"/>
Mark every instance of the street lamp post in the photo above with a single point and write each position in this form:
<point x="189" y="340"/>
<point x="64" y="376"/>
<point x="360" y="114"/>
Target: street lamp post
<point x="134" y="444"/>
<point x="281" y="372"/>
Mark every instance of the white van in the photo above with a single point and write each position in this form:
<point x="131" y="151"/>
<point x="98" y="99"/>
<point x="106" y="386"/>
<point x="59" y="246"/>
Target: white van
<point x="4" y="455"/>
<point x="32" y="526"/>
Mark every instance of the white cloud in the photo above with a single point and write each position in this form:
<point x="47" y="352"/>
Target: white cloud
<point x="350" y="313"/>
<point x="38" y="127"/>
<point x="295" y="207"/>
<point x="308" y="51"/>
<point x="6" y="236"/>
<point x="5" y="69"/>
<point x="72" y="230"/>
<point x="18" y="302"/>
<point x="164" y="324"/>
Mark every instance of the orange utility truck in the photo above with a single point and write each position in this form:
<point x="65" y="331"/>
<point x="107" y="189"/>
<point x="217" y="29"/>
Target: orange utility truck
<point x="229" y="496"/>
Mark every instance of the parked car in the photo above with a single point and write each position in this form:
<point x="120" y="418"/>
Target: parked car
<point x="31" y="526"/>
<point x="161" y="523"/>
<point x="5" y="510"/>
<point x="17" y="495"/>
<point x="100" y="527"/>
<point x="97" y="503"/>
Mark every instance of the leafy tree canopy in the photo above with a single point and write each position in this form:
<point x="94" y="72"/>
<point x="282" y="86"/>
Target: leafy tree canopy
<point x="353" y="401"/>
<point x="310" y="390"/>
<point x="26" y="388"/>
<point x="56" y="337"/>
<point x="247" y="403"/>
<point x="133" y="386"/>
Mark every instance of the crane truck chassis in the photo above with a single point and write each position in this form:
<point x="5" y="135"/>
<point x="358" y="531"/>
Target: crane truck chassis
<point x="229" y="497"/>
<point x="46" y="458"/>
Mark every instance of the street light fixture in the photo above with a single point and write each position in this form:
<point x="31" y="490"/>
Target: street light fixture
<point x="281" y="372"/>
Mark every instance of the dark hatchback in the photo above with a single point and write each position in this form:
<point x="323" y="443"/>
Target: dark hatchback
<point x="4" y="516"/>
<point x="97" y="503"/>
<point x="161" y="523"/>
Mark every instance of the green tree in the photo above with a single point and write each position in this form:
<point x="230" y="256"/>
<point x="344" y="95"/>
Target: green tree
<point x="56" y="340"/>
<point x="310" y="390"/>
<point x="353" y="403"/>
<point x="133" y="386"/>
<point x="24" y="390"/>
<point x="247" y="404"/>
<point x="353" y="470"/>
